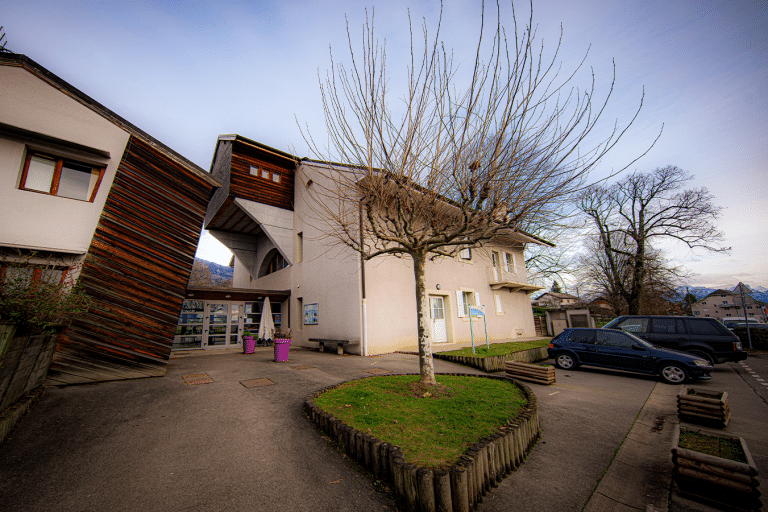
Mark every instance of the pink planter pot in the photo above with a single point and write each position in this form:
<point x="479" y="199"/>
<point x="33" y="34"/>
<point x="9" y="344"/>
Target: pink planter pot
<point x="281" y="349"/>
<point x="249" y="344"/>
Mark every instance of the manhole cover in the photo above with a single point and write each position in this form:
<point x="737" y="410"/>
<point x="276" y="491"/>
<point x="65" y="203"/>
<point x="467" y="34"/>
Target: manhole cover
<point x="256" y="383"/>
<point x="197" y="378"/>
<point x="301" y="367"/>
<point x="378" y="371"/>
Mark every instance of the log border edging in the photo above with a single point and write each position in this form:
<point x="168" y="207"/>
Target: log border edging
<point x="482" y="466"/>
<point x="496" y="363"/>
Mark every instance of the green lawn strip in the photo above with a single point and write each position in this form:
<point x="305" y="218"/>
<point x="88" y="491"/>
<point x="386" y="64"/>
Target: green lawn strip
<point x="725" y="448"/>
<point x="433" y="428"/>
<point x="498" y="349"/>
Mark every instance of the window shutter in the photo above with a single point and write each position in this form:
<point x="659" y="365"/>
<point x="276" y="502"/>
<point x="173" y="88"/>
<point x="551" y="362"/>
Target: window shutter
<point x="477" y="300"/>
<point x="460" y="304"/>
<point x="497" y="298"/>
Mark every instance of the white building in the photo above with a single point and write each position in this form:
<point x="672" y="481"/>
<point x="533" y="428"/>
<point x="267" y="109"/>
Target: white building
<point x="327" y="293"/>
<point x="724" y="304"/>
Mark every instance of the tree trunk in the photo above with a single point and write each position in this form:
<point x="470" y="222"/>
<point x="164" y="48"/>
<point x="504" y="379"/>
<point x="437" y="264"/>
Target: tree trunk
<point x="426" y="366"/>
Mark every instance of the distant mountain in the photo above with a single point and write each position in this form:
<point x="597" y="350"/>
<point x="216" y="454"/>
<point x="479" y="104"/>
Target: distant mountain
<point x="221" y="275"/>
<point x="758" y="292"/>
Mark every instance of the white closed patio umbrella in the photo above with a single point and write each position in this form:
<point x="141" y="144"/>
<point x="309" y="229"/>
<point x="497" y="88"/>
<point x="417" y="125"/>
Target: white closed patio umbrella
<point x="267" y="325"/>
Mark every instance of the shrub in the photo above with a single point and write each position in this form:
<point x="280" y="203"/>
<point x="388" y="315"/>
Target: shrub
<point x="38" y="298"/>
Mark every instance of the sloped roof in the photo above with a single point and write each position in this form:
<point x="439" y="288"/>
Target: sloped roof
<point x="22" y="61"/>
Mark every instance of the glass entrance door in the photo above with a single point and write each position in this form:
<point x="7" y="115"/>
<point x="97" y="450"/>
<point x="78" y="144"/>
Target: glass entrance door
<point x="223" y="323"/>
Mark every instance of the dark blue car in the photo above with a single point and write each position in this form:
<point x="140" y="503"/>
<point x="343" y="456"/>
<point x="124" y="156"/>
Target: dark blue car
<point x="611" y="348"/>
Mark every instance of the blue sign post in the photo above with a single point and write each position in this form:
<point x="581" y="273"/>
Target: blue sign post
<point x="477" y="311"/>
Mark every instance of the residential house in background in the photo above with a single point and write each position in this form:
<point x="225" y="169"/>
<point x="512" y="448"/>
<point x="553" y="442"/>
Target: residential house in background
<point x="724" y="304"/>
<point x="562" y="311"/>
<point x="555" y="300"/>
<point x="83" y="187"/>
<point x="325" y="293"/>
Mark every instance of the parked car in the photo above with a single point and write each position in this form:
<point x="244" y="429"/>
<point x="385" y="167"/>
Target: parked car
<point x="702" y="337"/>
<point x="612" y="348"/>
<point x="733" y="322"/>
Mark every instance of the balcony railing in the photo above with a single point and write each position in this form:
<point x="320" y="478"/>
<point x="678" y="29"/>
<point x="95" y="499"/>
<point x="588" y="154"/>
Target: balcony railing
<point x="514" y="278"/>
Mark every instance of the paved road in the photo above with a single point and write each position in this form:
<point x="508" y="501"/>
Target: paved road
<point x="754" y="371"/>
<point x="159" y="444"/>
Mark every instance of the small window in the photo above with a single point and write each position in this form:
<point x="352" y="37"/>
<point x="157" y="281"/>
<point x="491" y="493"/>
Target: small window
<point x="499" y="307"/>
<point x="509" y="262"/>
<point x="276" y="263"/>
<point x="265" y="174"/>
<point x="299" y="247"/>
<point x="466" y="254"/>
<point x="468" y="299"/>
<point x="276" y="177"/>
<point x="60" y="177"/>
<point x="254" y="170"/>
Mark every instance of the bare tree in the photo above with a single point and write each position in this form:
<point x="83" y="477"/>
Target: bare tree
<point x="201" y="274"/>
<point x="449" y="165"/>
<point x="660" y="296"/>
<point x="629" y="216"/>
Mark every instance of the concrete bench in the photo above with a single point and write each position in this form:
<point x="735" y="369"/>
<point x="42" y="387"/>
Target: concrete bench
<point x="339" y="344"/>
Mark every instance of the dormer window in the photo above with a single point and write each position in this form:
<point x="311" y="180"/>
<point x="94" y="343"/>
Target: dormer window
<point x="61" y="177"/>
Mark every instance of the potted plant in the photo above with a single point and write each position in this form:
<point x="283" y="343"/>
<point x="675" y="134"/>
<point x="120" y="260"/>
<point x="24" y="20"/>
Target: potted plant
<point x="282" y="340"/>
<point x="249" y="342"/>
<point x="715" y="467"/>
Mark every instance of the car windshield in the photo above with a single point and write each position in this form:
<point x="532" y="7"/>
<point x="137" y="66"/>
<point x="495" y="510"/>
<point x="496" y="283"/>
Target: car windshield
<point x="640" y="341"/>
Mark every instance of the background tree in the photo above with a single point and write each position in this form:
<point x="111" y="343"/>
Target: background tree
<point x="629" y="216"/>
<point x="201" y="274"/>
<point x="689" y="300"/>
<point x="3" y="41"/>
<point x="555" y="287"/>
<point x="451" y="163"/>
<point x="660" y="296"/>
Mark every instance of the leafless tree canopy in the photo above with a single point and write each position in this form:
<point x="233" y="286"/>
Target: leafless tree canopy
<point x="629" y="216"/>
<point x="450" y="160"/>
<point x="601" y="278"/>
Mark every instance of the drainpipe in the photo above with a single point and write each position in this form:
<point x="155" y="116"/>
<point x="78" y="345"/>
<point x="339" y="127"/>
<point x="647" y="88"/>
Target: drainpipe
<point x="362" y="286"/>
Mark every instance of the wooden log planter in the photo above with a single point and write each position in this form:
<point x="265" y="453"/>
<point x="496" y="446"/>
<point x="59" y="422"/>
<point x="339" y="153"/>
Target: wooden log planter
<point x="722" y="481"/>
<point x="530" y="372"/>
<point x="458" y="488"/>
<point x="496" y="363"/>
<point x="704" y="407"/>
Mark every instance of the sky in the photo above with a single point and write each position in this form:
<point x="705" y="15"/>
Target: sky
<point x="186" y="72"/>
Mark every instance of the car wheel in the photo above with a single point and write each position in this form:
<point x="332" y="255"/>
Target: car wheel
<point x="703" y="355"/>
<point x="673" y="373"/>
<point x="565" y="361"/>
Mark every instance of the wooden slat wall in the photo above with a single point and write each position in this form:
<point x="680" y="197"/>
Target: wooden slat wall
<point x="258" y="189"/>
<point x="137" y="270"/>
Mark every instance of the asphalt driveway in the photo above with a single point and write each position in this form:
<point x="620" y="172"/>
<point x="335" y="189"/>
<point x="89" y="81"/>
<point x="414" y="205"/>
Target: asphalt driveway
<point x="161" y="444"/>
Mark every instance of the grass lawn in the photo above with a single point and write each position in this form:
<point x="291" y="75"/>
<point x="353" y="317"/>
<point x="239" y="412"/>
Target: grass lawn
<point x="716" y="446"/>
<point x="433" y="427"/>
<point x="499" y="349"/>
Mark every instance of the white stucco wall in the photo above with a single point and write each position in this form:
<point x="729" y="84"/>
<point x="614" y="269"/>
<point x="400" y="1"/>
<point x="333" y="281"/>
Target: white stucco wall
<point x="390" y="289"/>
<point x="41" y="221"/>
<point x="329" y="276"/>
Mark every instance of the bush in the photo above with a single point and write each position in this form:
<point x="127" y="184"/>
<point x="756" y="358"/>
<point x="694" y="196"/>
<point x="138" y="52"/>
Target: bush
<point x="759" y="337"/>
<point x="39" y="298"/>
